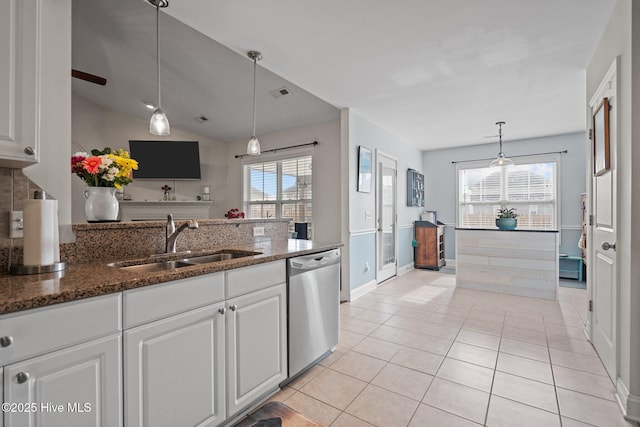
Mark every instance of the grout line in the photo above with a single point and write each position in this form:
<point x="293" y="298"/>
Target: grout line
<point x="493" y="379"/>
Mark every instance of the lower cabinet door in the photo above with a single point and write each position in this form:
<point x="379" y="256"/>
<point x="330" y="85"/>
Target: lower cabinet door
<point x="174" y="370"/>
<point x="256" y="345"/>
<point x="79" y="386"/>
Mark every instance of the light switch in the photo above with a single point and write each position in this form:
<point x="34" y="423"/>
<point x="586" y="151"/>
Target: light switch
<point x="258" y="231"/>
<point x="367" y="215"/>
<point x="16" y="225"/>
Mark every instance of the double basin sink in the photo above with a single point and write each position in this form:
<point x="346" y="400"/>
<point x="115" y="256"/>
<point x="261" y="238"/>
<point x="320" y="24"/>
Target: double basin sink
<point x="152" y="266"/>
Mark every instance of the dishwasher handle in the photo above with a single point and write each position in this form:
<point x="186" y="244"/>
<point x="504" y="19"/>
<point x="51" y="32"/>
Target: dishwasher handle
<point x="314" y="261"/>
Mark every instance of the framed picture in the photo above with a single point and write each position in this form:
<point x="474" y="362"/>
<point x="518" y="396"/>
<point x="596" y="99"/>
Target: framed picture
<point x="601" y="138"/>
<point x="415" y="188"/>
<point x="364" y="169"/>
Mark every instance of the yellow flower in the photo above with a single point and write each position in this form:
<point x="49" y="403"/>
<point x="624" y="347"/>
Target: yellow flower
<point x="124" y="162"/>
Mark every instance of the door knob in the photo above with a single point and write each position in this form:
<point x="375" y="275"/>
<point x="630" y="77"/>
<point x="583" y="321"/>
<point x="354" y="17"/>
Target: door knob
<point x="6" y="341"/>
<point x="22" y="377"/>
<point x="222" y="310"/>
<point x="606" y="246"/>
<point x="233" y="307"/>
<point x="29" y="151"/>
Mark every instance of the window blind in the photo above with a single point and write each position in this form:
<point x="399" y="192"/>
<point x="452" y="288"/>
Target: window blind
<point x="279" y="189"/>
<point x="528" y="186"/>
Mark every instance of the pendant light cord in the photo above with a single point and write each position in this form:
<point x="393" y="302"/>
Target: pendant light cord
<point x="158" y="50"/>
<point x="255" y="63"/>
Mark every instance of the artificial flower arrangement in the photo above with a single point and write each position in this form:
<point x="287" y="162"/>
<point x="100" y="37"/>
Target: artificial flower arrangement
<point x="234" y="213"/>
<point x="104" y="168"/>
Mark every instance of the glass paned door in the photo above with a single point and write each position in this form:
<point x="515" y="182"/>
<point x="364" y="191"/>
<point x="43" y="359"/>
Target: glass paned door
<point x="386" y="235"/>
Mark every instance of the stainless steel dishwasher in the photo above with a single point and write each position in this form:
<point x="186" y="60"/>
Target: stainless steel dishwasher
<point x="314" y="307"/>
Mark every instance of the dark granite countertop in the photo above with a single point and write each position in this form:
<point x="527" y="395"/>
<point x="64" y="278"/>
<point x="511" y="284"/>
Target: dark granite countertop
<point x="516" y="230"/>
<point x="89" y="280"/>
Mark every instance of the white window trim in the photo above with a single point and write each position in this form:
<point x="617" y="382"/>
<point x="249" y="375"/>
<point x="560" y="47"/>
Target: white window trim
<point x="539" y="158"/>
<point x="274" y="157"/>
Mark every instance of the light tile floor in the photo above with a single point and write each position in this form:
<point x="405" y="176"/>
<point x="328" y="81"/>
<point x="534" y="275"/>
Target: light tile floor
<point x="419" y="352"/>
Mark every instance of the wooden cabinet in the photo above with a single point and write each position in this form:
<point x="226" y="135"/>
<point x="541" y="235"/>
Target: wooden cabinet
<point x="63" y="363"/>
<point x="429" y="245"/>
<point x="257" y="345"/>
<point x="174" y="370"/>
<point x="20" y="51"/>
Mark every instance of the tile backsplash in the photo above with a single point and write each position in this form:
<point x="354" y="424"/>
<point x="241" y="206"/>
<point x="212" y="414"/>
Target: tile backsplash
<point x="15" y="188"/>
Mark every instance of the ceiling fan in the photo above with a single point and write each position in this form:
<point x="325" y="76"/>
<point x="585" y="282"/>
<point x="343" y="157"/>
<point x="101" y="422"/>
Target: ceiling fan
<point x="92" y="78"/>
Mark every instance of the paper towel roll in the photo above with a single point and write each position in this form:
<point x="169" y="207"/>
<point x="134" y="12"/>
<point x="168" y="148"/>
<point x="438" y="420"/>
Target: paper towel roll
<point x="41" y="245"/>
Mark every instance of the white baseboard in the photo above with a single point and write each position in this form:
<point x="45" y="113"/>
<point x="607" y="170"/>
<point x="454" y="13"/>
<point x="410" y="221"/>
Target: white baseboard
<point x="629" y="403"/>
<point x="361" y="290"/>
<point x="405" y="269"/>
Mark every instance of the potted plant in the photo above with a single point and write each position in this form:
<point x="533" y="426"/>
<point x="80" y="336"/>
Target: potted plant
<point x="507" y="219"/>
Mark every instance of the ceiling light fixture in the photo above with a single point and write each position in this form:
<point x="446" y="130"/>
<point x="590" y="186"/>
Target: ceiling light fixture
<point x="159" y="124"/>
<point x="253" y="147"/>
<point x="501" y="160"/>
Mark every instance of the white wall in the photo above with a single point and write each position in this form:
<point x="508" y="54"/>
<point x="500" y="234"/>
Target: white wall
<point x="97" y="127"/>
<point x="622" y="38"/>
<point x="55" y="110"/>
<point x="326" y="172"/>
<point x="361" y="237"/>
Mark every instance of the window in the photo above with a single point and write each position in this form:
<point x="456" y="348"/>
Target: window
<point x="279" y="189"/>
<point x="529" y="186"/>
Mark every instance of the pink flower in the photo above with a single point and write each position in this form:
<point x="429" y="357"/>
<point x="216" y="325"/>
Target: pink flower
<point x="76" y="164"/>
<point x="92" y="164"/>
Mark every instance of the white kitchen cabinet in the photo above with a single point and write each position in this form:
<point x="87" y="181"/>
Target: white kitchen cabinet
<point x="79" y="386"/>
<point x="174" y="370"/>
<point x="20" y="69"/>
<point x="64" y="354"/>
<point x="256" y="346"/>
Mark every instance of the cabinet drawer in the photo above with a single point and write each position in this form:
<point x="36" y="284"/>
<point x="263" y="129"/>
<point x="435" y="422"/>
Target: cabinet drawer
<point x="41" y="330"/>
<point x="155" y="302"/>
<point x="255" y="277"/>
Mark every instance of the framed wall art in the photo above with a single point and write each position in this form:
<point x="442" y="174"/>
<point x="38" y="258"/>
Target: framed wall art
<point x="601" y="143"/>
<point x="415" y="188"/>
<point x="364" y="169"/>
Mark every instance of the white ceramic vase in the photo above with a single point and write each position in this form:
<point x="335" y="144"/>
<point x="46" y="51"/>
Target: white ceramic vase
<point x="101" y="204"/>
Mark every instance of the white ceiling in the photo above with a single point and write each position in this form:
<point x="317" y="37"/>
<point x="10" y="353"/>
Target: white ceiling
<point x="435" y="73"/>
<point x="116" y="39"/>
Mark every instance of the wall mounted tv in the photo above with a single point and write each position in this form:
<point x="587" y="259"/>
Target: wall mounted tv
<point x="166" y="159"/>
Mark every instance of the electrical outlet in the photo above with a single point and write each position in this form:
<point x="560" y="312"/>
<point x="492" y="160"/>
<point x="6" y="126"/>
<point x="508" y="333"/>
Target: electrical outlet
<point x="258" y="231"/>
<point x="16" y="225"/>
<point x="366" y="267"/>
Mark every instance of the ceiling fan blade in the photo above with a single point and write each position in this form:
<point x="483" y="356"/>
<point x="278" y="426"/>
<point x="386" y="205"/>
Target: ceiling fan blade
<point x="88" y="77"/>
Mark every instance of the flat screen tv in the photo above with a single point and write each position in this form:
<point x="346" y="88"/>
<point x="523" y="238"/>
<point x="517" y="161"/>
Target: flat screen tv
<point x="166" y="159"/>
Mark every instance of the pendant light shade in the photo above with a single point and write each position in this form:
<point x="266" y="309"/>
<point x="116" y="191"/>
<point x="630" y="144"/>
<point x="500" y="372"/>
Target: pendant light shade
<point x="501" y="160"/>
<point x="253" y="147"/>
<point x="159" y="124"/>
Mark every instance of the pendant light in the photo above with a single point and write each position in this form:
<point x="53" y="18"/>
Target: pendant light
<point x="253" y="147"/>
<point x="501" y="160"/>
<point x="159" y="124"/>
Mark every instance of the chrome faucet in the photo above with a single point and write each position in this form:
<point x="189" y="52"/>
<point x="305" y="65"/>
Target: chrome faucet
<point x="172" y="232"/>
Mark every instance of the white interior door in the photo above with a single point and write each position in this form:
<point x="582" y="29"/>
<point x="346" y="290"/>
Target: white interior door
<point x="603" y="234"/>
<point x="387" y="249"/>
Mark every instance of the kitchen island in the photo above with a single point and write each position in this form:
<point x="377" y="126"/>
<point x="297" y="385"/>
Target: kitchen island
<point x="195" y="344"/>
<point x="514" y="262"/>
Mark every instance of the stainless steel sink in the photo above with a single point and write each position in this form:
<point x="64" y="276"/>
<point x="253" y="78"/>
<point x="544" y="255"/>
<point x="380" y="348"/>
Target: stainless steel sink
<point x="156" y="266"/>
<point x="220" y="256"/>
<point x="152" y="267"/>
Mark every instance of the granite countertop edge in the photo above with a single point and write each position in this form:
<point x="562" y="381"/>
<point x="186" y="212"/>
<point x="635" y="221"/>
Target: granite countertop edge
<point x="80" y="281"/>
